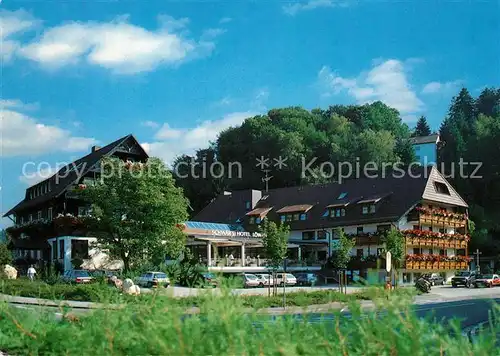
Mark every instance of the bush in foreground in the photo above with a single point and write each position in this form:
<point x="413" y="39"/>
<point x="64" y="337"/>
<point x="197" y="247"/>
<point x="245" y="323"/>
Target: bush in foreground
<point x="224" y="328"/>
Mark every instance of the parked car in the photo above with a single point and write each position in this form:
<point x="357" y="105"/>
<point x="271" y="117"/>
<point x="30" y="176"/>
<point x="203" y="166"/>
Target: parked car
<point x="306" y="279"/>
<point x="265" y="280"/>
<point x="153" y="279"/>
<point x="78" y="276"/>
<point x="287" y="278"/>
<point x="99" y="273"/>
<point x="250" y="280"/>
<point x="210" y="279"/>
<point x="436" y="279"/>
<point x="464" y="278"/>
<point x="487" y="280"/>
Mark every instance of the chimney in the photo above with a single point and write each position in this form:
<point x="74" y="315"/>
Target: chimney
<point x="256" y="196"/>
<point x="95" y="148"/>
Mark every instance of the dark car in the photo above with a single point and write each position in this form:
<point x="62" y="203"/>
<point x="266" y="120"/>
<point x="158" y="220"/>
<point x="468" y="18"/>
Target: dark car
<point x="436" y="279"/>
<point x="306" y="279"/>
<point x="78" y="276"/>
<point x="464" y="278"/>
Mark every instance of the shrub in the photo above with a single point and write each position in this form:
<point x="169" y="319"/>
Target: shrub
<point x="39" y="289"/>
<point x="5" y="255"/>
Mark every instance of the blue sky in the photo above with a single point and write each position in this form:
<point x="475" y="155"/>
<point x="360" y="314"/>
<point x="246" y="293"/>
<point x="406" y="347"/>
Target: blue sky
<point x="174" y="73"/>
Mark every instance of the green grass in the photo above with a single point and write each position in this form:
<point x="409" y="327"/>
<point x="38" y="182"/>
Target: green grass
<point x="105" y="294"/>
<point x="153" y="326"/>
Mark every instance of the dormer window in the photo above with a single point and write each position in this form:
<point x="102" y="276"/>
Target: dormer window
<point x="283" y="218"/>
<point x="368" y="209"/>
<point x="337" y="212"/>
<point x="342" y="195"/>
<point x="365" y="209"/>
<point x="441" y="188"/>
<point x="258" y="220"/>
<point x="39" y="215"/>
<point x="248" y="205"/>
<point x="303" y="217"/>
<point x="251" y="220"/>
<point x="372" y="208"/>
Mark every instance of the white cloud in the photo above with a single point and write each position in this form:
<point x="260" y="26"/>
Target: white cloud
<point x="225" y="101"/>
<point x="225" y="20"/>
<point x="293" y="9"/>
<point x="437" y="87"/>
<point x="212" y="33"/>
<point x="17" y="104"/>
<point x="166" y="132"/>
<point x="386" y="81"/>
<point x="40" y="172"/>
<point x="151" y="124"/>
<point x="118" y="45"/>
<point x="173" y="142"/>
<point x="12" y="25"/>
<point x="22" y="135"/>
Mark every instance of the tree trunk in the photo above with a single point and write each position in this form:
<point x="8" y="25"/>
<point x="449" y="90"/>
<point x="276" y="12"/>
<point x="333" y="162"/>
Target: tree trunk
<point x="126" y="264"/>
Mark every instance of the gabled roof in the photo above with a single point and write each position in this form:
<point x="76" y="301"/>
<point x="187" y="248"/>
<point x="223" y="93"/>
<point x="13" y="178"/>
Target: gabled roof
<point x="419" y="140"/>
<point x="60" y="181"/>
<point x="395" y="196"/>
<point x="302" y="208"/>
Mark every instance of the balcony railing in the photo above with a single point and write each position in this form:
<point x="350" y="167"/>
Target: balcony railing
<point x="435" y="239"/>
<point x="374" y="238"/>
<point x="436" y="262"/>
<point x="438" y="217"/>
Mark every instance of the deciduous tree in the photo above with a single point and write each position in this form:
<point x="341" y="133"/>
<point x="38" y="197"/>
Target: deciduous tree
<point x="135" y="210"/>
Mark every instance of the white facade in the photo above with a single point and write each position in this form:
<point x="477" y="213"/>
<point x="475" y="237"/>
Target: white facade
<point x="97" y="258"/>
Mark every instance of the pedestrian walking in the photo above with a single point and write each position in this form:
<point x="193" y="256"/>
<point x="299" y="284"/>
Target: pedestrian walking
<point x="31" y="273"/>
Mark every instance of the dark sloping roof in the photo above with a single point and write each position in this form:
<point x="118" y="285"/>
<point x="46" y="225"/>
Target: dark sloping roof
<point x="405" y="191"/>
<point x="62" y="180"/>
<point x="419" y="140"/>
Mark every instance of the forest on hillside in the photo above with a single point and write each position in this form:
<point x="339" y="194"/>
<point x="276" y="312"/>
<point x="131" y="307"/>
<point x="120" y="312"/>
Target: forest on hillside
<point x="470" y="132"/>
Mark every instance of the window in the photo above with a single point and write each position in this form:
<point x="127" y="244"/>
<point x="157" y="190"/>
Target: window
<point x="337" y="213"/>
<point x="441" y="188"/>
<point x="342" y="195"/>
<point x="54" y="250"/>
<point x="251" y="220"/>
<point x="308" y="235"/>
<point x="442" y="252"/>
<point x="258" y="220"/>
<point x="380" y="251"/>
<point x="359" y="252"/>
<point x="359" y="229"/>
<point x="372" y="208"/>
<point x="326" y="213"/>
<point x="295" y="217"/>
<point x="79" y="249"/>
<point x="382" y="228"/>
<point x="303" y="217"/>
<point x="49" y="213"/>
<point x="416" y="227"/>
<point x="442" y="230"/>
<point x="365" y="209"/>
<point x="417" y="148"/>
<point x="289" y="218"/>
<point x="30" y="217"/>
<point x="21" y="220"/>
<point x="430" y="228"/>
<point x="39" y="215"/>
<point x="416" y="251"/>
<point x="248" y="205"/>
<point x="82" y="211"/>
<point x="431" y="251"/>
<point x="61" y="249"/>
<point x="283" y="218"/>
<point x="322" y="235"/>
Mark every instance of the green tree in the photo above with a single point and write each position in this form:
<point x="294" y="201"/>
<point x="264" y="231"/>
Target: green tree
<point x="342" y="255"/>
<point x="422" y="128"/>
<point x="275" y="242"/>
<point x="5" y="255"/>
<point x="135" y="210"/>
<point x="395" y="244"/>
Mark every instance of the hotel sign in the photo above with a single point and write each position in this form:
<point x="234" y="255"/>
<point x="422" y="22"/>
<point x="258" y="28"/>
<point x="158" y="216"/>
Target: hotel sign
<point x="229" y="233"/>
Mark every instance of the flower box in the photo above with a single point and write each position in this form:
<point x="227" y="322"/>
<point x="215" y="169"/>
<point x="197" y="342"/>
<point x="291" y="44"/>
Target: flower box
<point x="427" y="242"/>
<point x="410" y="265"/>
<point x="435" y="266"/>
<point x="436" y="242"/>
<point x="447" y="265"/>
<point x="463" y="265"/>
<point x="428" y="265"/>
<point x="453" y="265"/>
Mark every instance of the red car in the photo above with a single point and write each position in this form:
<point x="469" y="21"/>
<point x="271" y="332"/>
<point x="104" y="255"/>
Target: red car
<point x="487" y="280"/>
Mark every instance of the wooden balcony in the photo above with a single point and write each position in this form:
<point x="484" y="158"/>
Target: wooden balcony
<point x="441" y="242"/>
<point x="436" y="266"/>
<point x="440" y="221"/>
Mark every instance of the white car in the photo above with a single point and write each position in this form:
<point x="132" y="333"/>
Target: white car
<point x="265" y="279"/>
<point x="290" y="279"/>
<point x="250" y="280"/>
<point x="153" y="279"/>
